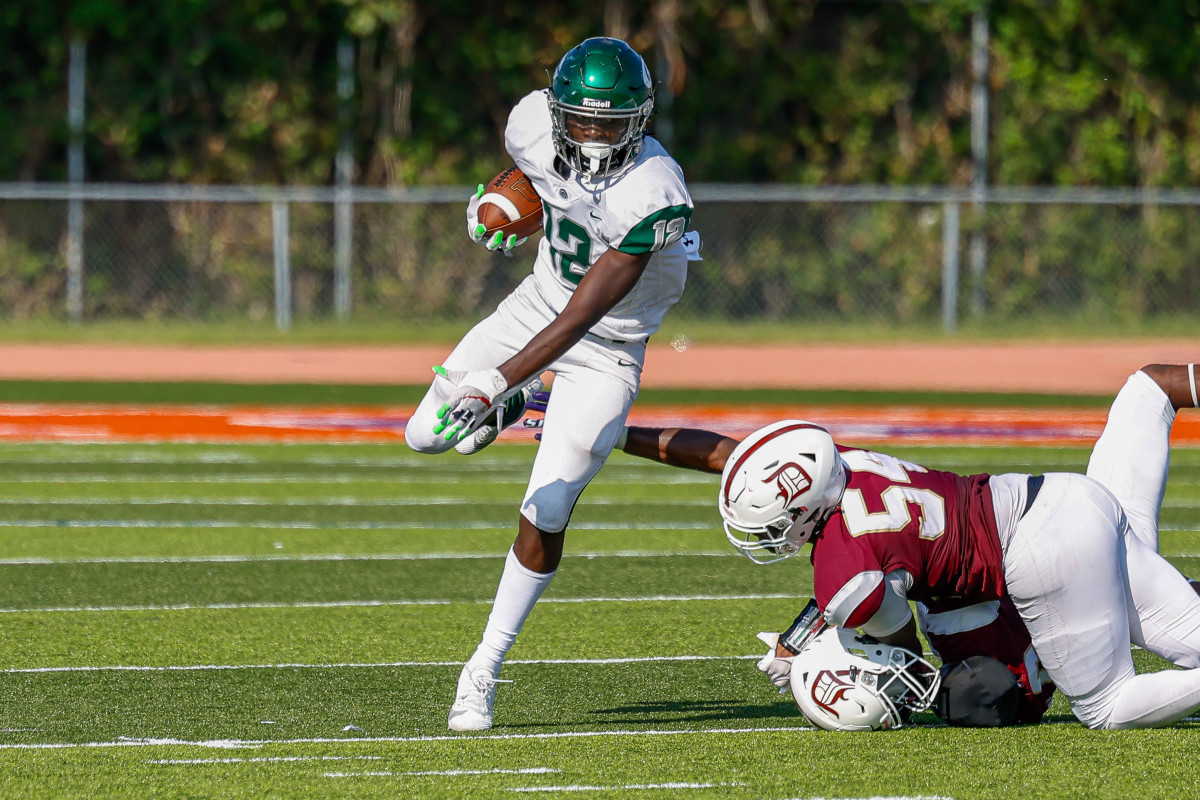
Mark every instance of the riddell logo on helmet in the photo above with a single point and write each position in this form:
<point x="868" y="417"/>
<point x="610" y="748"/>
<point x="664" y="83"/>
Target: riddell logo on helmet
<point x="591" y="102"/>
<point x="792" y="481"/>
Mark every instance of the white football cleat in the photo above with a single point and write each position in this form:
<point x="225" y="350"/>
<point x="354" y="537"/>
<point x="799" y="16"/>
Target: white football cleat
<point x="474" y="699"/>
<point x="514" y="409"/>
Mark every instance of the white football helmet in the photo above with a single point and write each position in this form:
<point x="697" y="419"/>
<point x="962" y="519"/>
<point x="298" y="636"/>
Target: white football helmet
<point x="779" y="487"/>
<point x="842" y="681"/>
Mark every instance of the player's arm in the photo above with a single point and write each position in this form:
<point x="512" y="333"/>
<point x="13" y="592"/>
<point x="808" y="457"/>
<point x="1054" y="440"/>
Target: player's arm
<point x="607" y="281"/>
<point x="906" y="637"/>
<point x="690" y="448"/>
<point x="877" y="603"/>
<point x="611" y="278"/>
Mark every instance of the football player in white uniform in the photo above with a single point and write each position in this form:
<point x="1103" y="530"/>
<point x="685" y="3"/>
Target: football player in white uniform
<point x="612" y="261"/>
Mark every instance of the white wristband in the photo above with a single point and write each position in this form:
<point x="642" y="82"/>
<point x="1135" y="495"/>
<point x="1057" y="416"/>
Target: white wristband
<point x="488" y="381"/>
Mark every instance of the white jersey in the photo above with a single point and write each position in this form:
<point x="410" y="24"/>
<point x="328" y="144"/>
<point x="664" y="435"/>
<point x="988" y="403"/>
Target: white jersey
<point x="644" y="209"/>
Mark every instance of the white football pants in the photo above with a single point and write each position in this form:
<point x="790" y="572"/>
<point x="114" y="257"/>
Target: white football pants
<point x="1132" y="456"/>
<point x="1131" y="459"/>
<point x="1086" y="586"/>
<point x="595" y="384"/>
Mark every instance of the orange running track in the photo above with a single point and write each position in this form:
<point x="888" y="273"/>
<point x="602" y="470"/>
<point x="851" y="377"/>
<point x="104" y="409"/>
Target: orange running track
<point x="850" y="425"/>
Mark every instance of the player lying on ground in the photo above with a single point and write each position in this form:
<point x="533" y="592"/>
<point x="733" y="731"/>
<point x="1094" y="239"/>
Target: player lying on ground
<point x="1077" y="554"/>
<point x="611" y="263"/>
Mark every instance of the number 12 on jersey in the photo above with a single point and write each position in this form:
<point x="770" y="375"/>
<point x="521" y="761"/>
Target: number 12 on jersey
<point x="572" y="244"/>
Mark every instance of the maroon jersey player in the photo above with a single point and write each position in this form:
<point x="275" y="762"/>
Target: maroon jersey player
<point x="956" y="630"/>
<point x="1078" y="569"/>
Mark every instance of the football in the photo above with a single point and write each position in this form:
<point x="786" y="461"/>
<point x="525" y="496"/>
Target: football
<point x="511" y="205"/>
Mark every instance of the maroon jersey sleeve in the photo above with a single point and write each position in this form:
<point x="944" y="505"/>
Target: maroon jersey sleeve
<point x="849" y="585"/>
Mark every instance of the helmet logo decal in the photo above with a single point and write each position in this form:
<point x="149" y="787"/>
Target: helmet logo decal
<point x="792" y="481"/>
<point x="750" y="451"/>
<point x="592" y="102"/>
<point x="831" y="687"/>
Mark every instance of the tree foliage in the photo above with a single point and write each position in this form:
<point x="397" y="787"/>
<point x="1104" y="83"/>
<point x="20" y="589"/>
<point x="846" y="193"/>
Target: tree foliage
<point x="1100" y="92"/>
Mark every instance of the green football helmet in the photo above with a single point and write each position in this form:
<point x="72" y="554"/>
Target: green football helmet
<point x="600" y="101"/>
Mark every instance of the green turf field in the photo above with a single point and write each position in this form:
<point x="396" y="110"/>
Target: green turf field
<point x="289" y="621"/>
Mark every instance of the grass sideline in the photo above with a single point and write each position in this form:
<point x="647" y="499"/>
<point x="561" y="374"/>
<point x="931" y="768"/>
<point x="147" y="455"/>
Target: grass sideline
<point x="287" y="621"/>
<point x="378" y="328"/>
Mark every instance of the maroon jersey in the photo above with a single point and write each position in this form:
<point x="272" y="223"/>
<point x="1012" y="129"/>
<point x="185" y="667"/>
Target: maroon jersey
<point x="939" y="526"/>
<point x="957" y="630"/>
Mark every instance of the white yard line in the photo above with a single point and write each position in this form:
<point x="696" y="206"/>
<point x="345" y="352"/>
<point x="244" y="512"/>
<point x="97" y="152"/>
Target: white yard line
<point x="621" y="787"/>
<point x="882" y="797"/>
<point x="379" y="525"/>
<point x="259" y="760"/>
<point x="339" y="557"/>
<point x="334" y="557"/>
<point x="447" y="773"/>
<point x="254" y="744"/>
<point x="424" y="477"/>
<point x="258" y="744"/>
<point x="69" y="454"/>
<point x="329" y="502"/>
<point x="90" y="524"/>
<point x="384" y="603"/>
<point x="379" y="665"/>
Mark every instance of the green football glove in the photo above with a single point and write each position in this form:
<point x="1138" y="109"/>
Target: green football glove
<point x="476" y="230"/>
<point x="469" y="405"/>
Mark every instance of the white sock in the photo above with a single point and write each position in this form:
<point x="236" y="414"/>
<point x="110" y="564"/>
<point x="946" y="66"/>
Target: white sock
<point x="1154" y="699"/>
<point x="518" y="592"/>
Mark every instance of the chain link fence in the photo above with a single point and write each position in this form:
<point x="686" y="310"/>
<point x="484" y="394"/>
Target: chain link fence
<point x="896" y="256"/>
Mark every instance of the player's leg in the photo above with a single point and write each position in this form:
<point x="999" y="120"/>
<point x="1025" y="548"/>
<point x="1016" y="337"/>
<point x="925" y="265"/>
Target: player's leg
<point x="1155" y="699"/>
<point x="1066" y="572"/>
<point x="584" y="417"/>
<point x="528" y="570"/>
<point x="1132" y="455"/>
<point x="1078" y="627"/>
<point x="1164" y="611"/>
<point x="1178" y="381"/>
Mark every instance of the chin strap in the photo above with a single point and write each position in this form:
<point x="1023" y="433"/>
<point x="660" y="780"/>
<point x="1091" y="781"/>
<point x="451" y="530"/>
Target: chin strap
<point x="1192" y="384"/>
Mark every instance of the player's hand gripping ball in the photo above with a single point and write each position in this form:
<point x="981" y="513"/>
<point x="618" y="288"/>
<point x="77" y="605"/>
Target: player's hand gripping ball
<point x="503" y="214"/>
